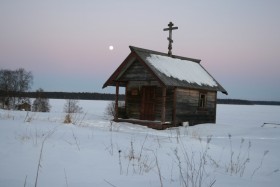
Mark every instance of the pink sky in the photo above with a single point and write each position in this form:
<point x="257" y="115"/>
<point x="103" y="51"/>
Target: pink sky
<point x="66" y="43"/>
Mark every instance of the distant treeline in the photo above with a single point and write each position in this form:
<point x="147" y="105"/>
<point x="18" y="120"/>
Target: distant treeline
<point x="246" y="102"/>
<point x="107" y="96"/>
<point x="62" y="95"/>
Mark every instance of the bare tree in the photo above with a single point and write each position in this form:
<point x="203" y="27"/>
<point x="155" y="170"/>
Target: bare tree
<point x="6" y="85"/>
<point x="18" y="80"/>
<point x="24" y="80"/>
<point x="70" y="107"/>
<point x="41" y="104"/>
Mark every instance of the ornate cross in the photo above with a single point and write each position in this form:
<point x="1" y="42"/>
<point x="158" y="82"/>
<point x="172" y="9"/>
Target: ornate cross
<point x="170" y="28"/>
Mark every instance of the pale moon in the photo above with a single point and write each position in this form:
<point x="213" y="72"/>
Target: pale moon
<point x="111" y="47"/>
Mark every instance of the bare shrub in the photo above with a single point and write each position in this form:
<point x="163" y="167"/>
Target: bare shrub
<point x="159" y="171"/>
<point x="29" y="118"/>
<point x="139" y="161"/>
<point x="71" y="107"/>
<point x="237" y="164"/>
<point x="120" y="162"/>
<point x="67" y="119"/>
<point x="41" y="155"/>
<point x="32" y="135"/>
<point x="76" y="140"/>
<point x="192" y="167"/>
<point x="110" y="109"/>
<point x="41" y="103"/>
<point x="239" y="160"/>
<point x="110" y="112"/>
<point x="260" y="165"/>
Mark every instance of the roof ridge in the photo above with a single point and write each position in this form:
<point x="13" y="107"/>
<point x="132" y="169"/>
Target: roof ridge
<point x="135" y="49"/>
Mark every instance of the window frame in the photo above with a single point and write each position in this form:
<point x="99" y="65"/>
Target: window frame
<point x="202" y="101"/>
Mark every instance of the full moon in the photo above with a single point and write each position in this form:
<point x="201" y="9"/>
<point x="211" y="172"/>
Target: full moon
<point x="111" y="47"/>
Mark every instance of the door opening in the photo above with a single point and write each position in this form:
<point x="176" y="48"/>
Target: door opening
<point x="148" y="103"/>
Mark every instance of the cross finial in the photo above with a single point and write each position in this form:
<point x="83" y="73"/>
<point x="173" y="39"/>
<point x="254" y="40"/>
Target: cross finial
<point x="170" y="28"/>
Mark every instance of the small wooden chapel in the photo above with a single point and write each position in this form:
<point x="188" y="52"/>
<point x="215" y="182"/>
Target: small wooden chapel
<point x="163" y="90"/>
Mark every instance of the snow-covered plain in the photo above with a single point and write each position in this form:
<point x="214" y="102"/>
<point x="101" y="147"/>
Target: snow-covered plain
<point x="239" y="150"/>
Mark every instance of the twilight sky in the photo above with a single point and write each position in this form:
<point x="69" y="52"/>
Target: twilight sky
<point x="65" y="43"/>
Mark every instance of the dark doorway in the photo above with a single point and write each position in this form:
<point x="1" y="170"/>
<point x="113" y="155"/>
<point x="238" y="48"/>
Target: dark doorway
<point x="148" y="103"/>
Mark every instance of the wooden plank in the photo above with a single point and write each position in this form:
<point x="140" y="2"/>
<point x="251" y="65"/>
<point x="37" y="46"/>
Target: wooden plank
<point x="215" y="109"/>
<point x="163" y="104"/>
<point x="169" y="104"/>
<point x="140" y="83"/>
<point x="174" y="119"/>
<point x="116" y="102"/>
<point x="133" y="103"/>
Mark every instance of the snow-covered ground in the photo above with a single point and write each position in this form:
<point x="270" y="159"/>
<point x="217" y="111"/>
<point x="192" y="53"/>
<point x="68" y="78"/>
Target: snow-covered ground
<point x="237" y="151"/>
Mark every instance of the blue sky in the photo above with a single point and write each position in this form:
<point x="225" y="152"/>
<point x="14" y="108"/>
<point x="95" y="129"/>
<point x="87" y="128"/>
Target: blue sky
<point x="66" y="43"/>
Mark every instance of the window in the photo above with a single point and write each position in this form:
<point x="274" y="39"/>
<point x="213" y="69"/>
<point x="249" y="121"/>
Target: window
<point x="202" y="100"/>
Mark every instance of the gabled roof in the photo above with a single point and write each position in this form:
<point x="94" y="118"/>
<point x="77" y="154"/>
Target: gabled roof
<point x="170" y="71"/>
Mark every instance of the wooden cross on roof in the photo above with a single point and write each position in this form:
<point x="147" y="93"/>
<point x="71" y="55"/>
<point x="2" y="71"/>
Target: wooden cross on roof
<point x="170" y="28"/>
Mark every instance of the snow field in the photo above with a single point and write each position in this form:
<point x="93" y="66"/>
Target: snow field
<point x="89" y="154"/>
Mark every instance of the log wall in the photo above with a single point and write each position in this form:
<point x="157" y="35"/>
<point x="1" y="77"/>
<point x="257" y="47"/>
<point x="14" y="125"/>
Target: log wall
<point x="187" y="107"/>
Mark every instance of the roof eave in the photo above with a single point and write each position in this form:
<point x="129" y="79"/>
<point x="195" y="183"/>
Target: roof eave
<point x="225" y="93"/>
<point x="111" y="80"/>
